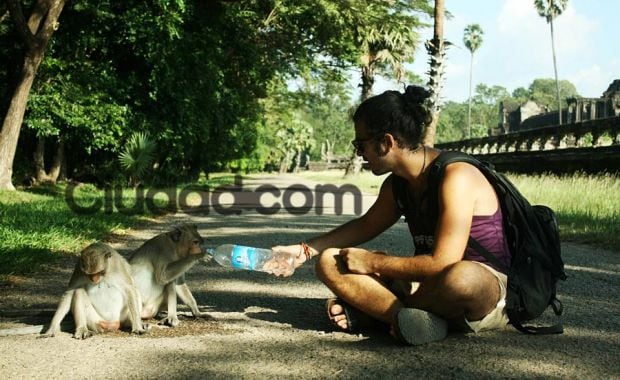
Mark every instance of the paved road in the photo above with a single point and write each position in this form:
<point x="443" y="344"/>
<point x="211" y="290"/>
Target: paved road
<point x="265" y="327"/>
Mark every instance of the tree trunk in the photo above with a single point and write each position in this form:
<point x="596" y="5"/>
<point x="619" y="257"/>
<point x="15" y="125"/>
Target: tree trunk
<point x="285" y="163"/>
<point x="297" y="162"/>
<point x="59" y="158"/>
<point x="35" y="34"/>
<point x="471" y="70"/>
<point x="436" y="50"/>
<point x="39" y="161"/>
<point x="41" y="175"/>
<point x="354" y="165"/>
<point x="368" y="80"/>
<point x="555" y="70"/>
<point x="13" y="122"/>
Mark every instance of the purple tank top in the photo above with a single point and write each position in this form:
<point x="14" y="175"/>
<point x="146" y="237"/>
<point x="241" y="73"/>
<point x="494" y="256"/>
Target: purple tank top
<point x="488" y="230"/>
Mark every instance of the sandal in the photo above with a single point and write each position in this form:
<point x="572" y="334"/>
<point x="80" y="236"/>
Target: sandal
<point x="352" y="314"/>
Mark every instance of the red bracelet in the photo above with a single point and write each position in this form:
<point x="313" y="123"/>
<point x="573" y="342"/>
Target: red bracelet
<point x="306" y="250"/>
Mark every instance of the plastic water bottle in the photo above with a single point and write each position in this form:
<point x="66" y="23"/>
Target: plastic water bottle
<point x="251" y="258"/>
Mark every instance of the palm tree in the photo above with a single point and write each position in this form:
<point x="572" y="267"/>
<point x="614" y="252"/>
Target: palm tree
<point x="550" y="9"/>
<point x="386" y="36"/>
<point x="137" y="156"/>
<point x="389" y="44"/>
<point x="472" y="39"/>
<point x="436" y="49"/>
<point x="387" y="39"/>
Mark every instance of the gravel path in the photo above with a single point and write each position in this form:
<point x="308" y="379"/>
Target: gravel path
<point x="266" y="327"/>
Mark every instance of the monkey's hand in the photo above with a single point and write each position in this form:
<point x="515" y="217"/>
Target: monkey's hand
<point x="82" y="333"/>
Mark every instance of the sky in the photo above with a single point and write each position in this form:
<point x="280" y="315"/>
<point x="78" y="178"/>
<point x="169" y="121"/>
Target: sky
<point x="516" y="47"/>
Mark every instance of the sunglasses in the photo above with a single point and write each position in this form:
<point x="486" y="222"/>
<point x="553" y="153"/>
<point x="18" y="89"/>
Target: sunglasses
<point x="359" y="145"/>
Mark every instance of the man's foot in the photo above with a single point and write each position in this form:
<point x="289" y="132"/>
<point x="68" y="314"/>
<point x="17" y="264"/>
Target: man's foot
<point x="415" y="327"/>
<point x="349" y="319"/>
<point x="341" y="314"/>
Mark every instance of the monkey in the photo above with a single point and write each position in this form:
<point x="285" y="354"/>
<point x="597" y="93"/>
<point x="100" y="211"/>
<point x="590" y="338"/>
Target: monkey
<point x="158" y="268"/>
<point x="101" y="295"/>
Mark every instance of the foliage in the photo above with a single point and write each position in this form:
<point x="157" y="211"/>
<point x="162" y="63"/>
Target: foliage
<point x="190" y="73"/>
<point x="490" y="95"/>
<point x="137" y="156"/>
<point x="386" y="38"/>
<point x="452" y="122"/>
<point x="73" y="103"/>
<point x="542" y="91"/>
<point x="550" y="9"/>
<point x="323" y="105"/>
<point x="472" y="37"/>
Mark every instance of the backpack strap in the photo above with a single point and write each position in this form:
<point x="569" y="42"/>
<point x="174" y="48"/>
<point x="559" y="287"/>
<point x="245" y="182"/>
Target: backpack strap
<point x="399" y="193"/>
<point x="473" y="243"/>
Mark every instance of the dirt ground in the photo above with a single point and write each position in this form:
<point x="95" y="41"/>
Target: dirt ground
<point x="267" y="327"/>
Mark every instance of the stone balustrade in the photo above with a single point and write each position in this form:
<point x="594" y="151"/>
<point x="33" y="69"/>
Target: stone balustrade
<point x="587" y="134"/>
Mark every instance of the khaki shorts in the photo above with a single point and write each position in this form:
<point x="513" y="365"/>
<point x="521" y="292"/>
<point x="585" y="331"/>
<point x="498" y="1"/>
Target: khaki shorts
<point x="496" y="319"/>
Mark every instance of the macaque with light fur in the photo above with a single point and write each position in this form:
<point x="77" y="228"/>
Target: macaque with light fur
<point x="158" y="268"/>
<point x="101" y="295"/>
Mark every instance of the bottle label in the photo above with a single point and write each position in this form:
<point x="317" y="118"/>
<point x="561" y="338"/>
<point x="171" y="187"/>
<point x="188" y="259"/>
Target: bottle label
<point x="243" y="257"/>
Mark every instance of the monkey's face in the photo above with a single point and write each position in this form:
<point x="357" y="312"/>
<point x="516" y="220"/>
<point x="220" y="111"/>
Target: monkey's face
<point x="94" y="267"/>
<point x="188" y="238"/>
<point x="94" y="261"/>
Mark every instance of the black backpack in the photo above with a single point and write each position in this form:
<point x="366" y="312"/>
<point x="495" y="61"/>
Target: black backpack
<point x="534" y="241"/>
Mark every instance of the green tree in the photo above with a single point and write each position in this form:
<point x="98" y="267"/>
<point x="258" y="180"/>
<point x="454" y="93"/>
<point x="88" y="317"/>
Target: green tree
<point x="450" y="125"/>
<point x="550" y="9"/>
<point x="192" y="74"/>
<point x="490" y="95"/>
<point x="472" y="38"/>
<point x="35" y="35"/>
<point x="387" y="37"/>
<point x="521" y="94"/>
<point x="319" y="102"/>
<point x="294" y="139"/>
<point x="543" y="91"/>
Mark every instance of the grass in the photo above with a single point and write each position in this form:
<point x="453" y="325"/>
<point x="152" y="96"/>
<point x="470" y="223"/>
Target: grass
<point x="587" y="206"/>
<point x="37" y="225"/>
